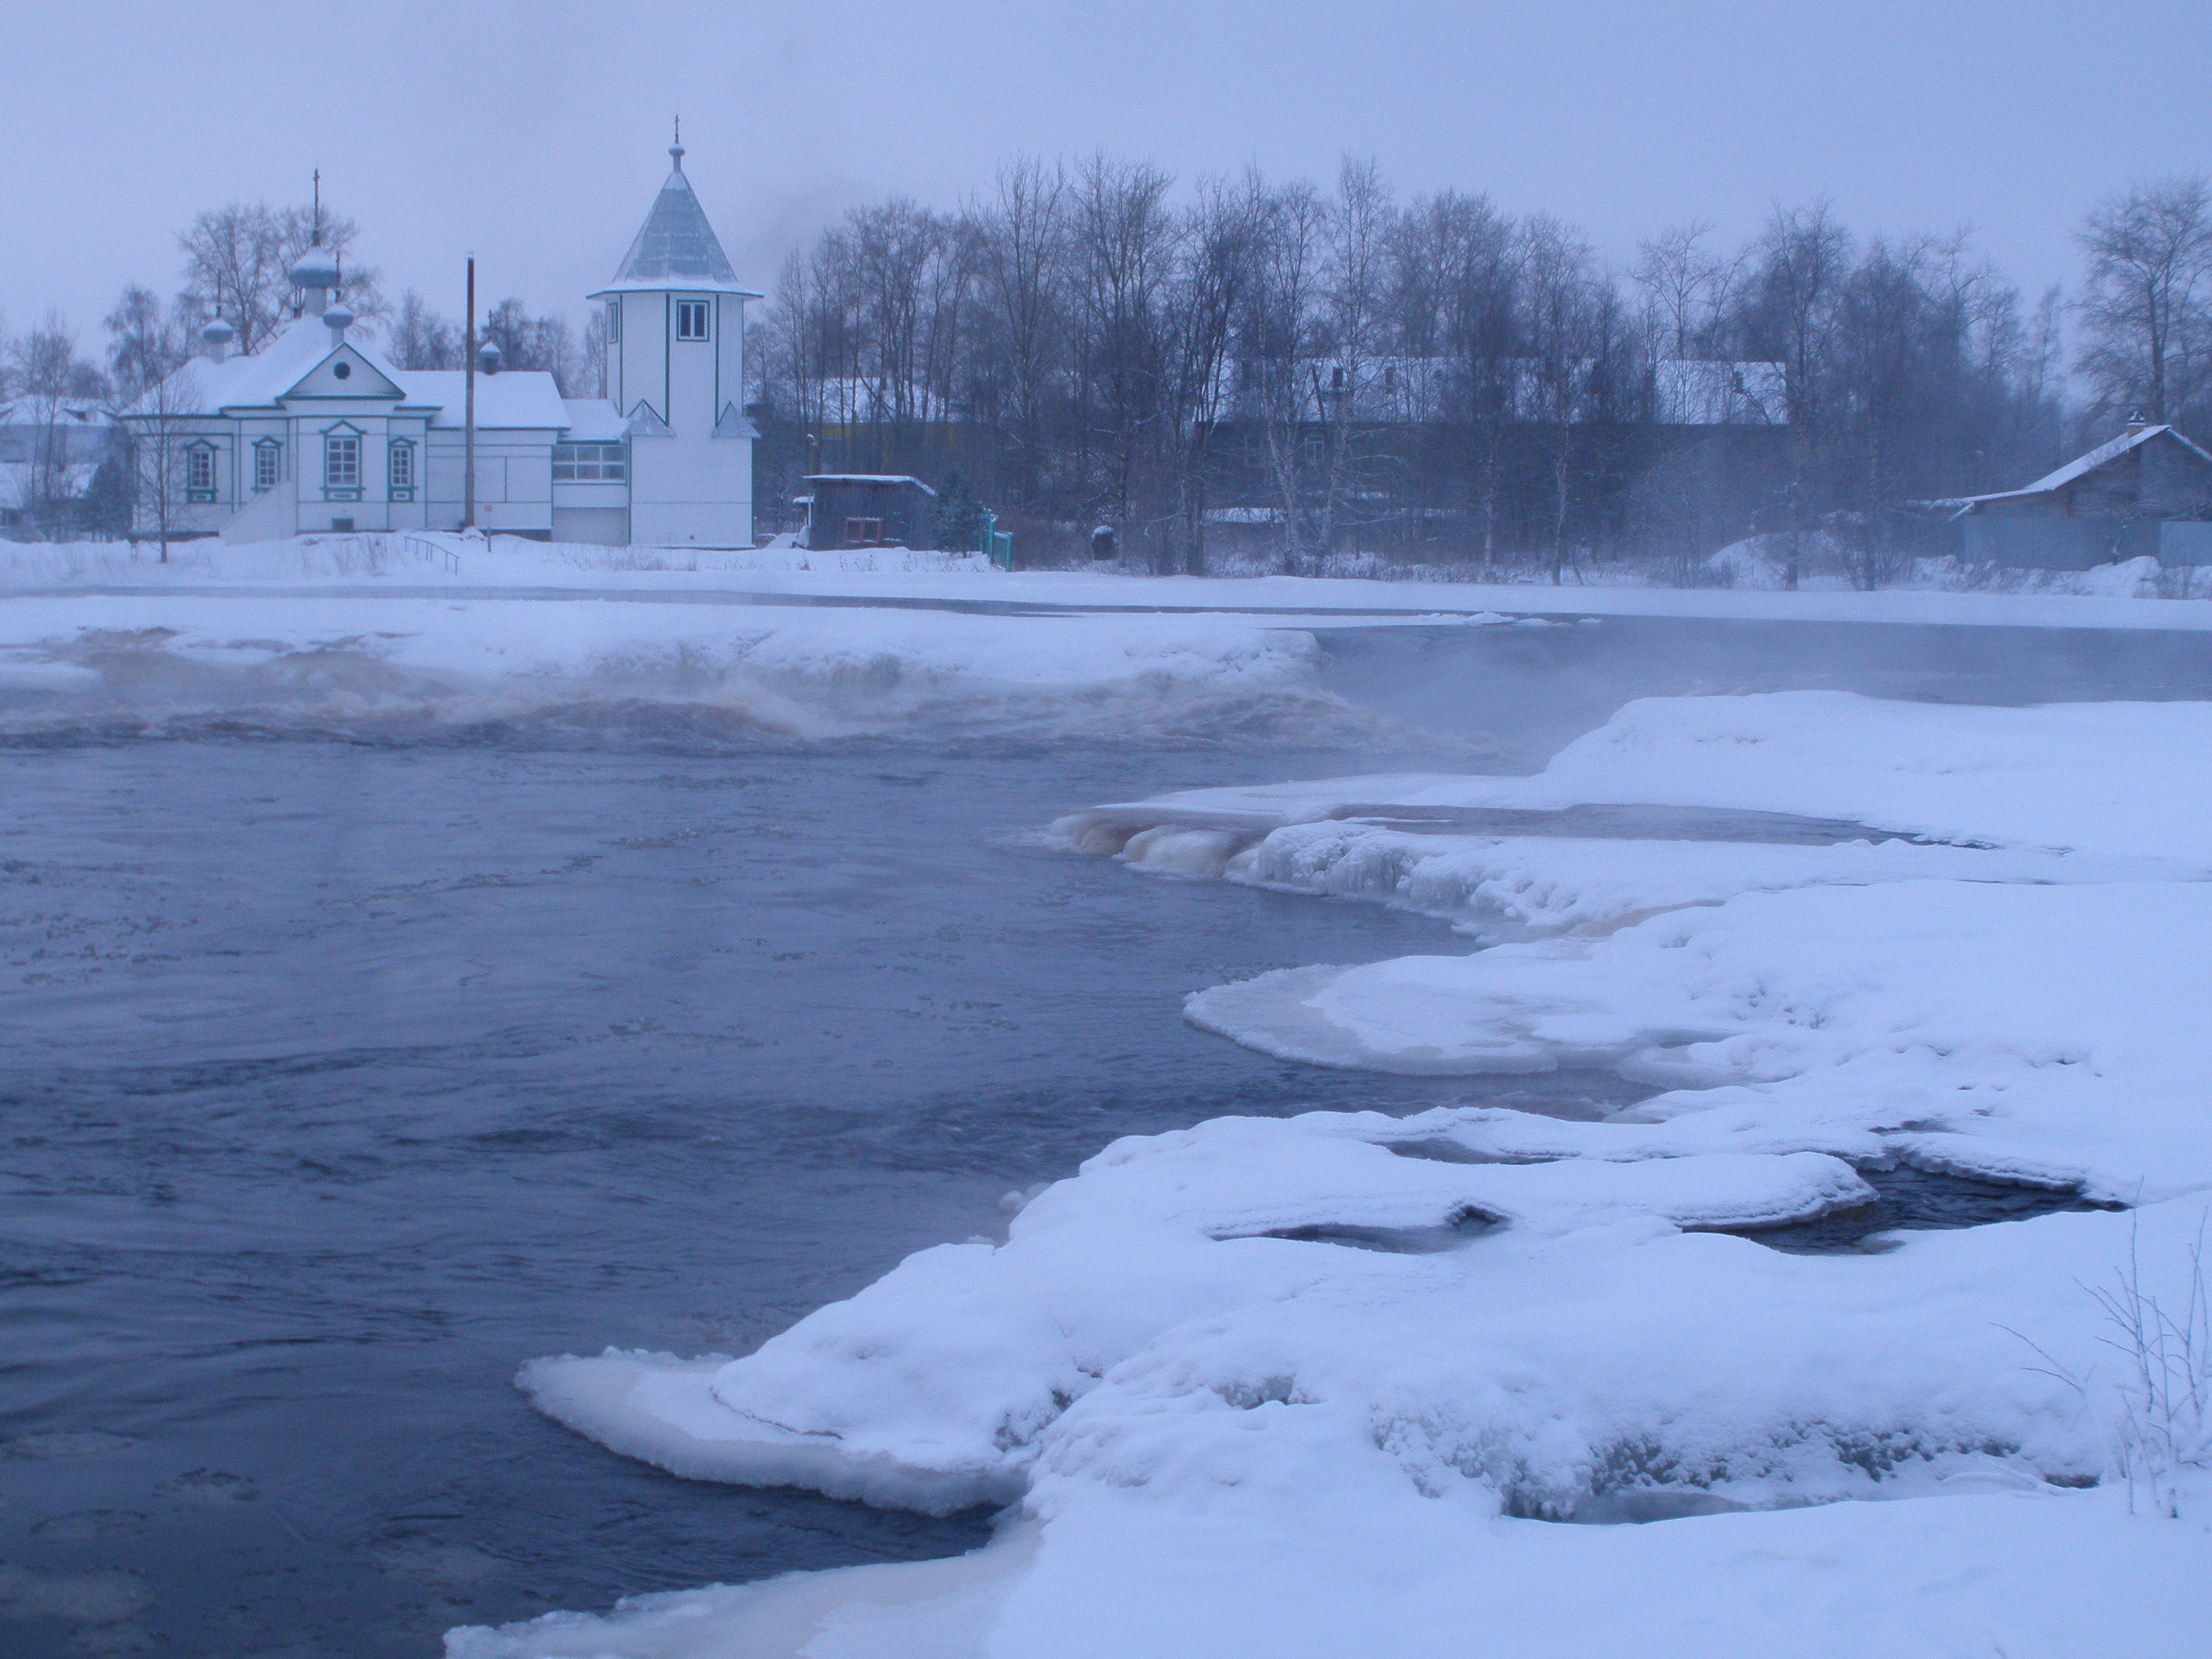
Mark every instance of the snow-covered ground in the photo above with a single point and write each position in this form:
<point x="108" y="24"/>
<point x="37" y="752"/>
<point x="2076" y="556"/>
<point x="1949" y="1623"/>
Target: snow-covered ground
<point x="363" y="564"/>
<point x="393" y="558"/>
<point x="1328" y="1385"/>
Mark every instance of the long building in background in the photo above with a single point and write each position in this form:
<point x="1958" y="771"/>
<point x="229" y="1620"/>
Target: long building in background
<point x="318" y="432"/>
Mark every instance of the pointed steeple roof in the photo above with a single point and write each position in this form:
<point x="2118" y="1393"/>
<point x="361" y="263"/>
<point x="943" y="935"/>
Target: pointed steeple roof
<point x="676" y="248"/>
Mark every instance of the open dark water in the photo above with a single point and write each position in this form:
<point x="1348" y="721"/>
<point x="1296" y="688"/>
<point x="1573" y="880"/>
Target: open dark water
<point x="340" y="1073"/>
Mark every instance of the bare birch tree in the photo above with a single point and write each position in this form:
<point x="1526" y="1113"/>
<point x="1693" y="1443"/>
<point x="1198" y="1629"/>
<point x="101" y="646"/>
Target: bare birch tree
<point x="1020" y="251"/>
<point x="158" y="426"/>
<point x="1280" y="344"/>
<point x="2147" y="299"/>
<point x="239" y="259"/>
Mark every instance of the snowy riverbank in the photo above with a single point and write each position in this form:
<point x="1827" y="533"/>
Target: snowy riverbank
<point x="361" y="566"/>
<point x="1327" y="1385"/>
<point x="150" y="663"/>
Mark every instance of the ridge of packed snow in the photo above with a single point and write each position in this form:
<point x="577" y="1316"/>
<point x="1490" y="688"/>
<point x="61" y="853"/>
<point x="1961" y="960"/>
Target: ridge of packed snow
<point x="2122" y="779"/>
<point x="807" y="671"/>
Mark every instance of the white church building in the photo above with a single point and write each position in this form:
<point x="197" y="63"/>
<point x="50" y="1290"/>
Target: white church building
<point x="317" y="432"/>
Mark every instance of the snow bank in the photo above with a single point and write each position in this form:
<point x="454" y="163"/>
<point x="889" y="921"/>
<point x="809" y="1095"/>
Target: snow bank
<point x="1317" y="1386"/>
<point x="2025" y="1032"/>
<point x="1824" y="562"/>
<point x="2123" y="780"/>
<point x="441" y="559"/>
<point x="137" y="659"/>
<point x="366" y="564"/>
<point x="2027" y="1573"/>
<point x="1497" y="887"/>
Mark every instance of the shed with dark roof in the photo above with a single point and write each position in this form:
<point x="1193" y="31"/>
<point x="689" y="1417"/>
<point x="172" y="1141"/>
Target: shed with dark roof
<point x="870" y="509"/>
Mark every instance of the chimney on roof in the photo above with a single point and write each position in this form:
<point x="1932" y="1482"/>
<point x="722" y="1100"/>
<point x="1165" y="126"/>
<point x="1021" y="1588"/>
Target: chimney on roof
<point x="2137" y="423"/>
<point x="217" y="337"/>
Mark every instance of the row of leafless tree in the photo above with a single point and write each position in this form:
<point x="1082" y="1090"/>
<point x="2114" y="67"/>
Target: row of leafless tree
<point x="1082" y="343"/>
<point x="418" y="337"/>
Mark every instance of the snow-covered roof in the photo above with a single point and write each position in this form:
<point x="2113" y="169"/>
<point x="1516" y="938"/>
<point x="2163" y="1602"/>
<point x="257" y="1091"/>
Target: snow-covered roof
<point x="592" y="421"/>
<point x="676" y="248"/>
<point x="519" y="397"/>
<point x="869" y="478"/>
<point x="68" y="413"/>
<point x="203" y="386"/>
<point x="62" y="483"/>
<point x="512" y="397"/>
<point x="2103" y="455"/>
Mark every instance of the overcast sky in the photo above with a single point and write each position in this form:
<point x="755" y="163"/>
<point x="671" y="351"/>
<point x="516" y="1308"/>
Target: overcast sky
<point x="532" y="135"/>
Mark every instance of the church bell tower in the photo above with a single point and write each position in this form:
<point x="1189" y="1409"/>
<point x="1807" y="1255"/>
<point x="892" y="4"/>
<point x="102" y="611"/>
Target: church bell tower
<point x="675" y="318"/>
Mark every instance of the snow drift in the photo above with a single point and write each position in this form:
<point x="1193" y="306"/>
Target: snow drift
<point x="1314" y="1386"/>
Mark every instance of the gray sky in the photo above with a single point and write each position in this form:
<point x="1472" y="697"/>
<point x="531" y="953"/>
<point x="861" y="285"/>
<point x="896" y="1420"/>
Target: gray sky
<point x="532" y="134"/>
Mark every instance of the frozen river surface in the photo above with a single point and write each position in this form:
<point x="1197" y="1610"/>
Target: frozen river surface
<point x="343" y="1071"/>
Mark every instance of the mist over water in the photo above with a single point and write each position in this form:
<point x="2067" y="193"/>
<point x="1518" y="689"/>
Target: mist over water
<point x="351" y="1060"/>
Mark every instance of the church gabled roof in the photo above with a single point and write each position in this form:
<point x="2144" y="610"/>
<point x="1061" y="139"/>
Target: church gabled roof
<point x="676" y="248"/>
<point x="518" y="399"/>
<point x="259" y="378"/>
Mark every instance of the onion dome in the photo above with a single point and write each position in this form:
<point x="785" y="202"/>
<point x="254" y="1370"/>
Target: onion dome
<point x="218" y="333"/>
<point x="488" y="356"/>
<point x="316" y="269"/>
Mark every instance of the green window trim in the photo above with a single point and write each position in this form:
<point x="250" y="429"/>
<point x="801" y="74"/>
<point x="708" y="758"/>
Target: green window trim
<point x="200" y="472"/>
<point x="342" y="473"/>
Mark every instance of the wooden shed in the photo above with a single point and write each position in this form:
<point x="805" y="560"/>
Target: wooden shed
<point x="870" y="509"/>
<point x="2148" y="491"/>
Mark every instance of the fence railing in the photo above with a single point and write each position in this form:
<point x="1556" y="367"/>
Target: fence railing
<point x="433" y="549"/>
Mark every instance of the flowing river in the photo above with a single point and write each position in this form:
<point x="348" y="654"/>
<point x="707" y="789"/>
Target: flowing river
<point x="345" y="1069"/>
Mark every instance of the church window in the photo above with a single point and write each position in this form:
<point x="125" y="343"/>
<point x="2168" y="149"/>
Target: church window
<point x="403" y="466"/>
<point x="691" y="319"/>
<point x="341" y="462"/>
<point x="266" y="459"/>
<point x="344" y="370"/>
<point x="614" y="321"/>
<point x="200" y="472"/>
<point x="590" y="464"/>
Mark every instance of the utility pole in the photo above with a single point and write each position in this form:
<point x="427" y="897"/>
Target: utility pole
<point x="468" y="442"/>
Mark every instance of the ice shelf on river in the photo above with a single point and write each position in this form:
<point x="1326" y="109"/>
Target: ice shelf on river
<point x="1236" y="1418"/>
